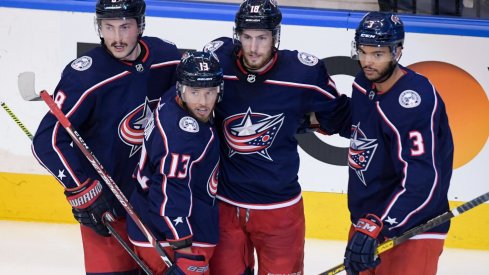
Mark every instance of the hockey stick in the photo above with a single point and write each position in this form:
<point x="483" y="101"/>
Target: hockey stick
<point x="28" y="94"/>
<point x="78" y="140"/>
<point x="17" y="121"/>
<point x="391" y="243"/>
<point x="105" y="219"/>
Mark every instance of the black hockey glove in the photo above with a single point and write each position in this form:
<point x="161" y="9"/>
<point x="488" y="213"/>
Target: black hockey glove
<point x="361" y="250"/>
<point x="90" y="206"/>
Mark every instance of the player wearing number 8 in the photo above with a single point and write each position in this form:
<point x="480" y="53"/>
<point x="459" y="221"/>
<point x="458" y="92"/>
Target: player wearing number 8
<point x="400" y="157"/>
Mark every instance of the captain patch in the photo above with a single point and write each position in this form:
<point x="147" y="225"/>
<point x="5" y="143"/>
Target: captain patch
<point x="307" y="59"/>
<point x="189" y="124"/>
<point x="409" y="99"/>
<point x="82" y="63"/>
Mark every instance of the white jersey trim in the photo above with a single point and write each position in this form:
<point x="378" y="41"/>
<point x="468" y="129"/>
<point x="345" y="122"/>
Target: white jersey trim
<point x="262" y="206"/>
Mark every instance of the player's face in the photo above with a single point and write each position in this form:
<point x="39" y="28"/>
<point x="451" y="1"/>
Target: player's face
<point x="120" y="37"/>
<point x="257" y="47"/>
<point x="200" y="101"/>
<point x="375" y="61"/>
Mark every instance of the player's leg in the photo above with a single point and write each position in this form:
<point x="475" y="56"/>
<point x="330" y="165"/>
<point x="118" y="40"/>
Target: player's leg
<point x="104" y="255"/>
<point x="279" y="236"/>
<point x="412" y="257"/>
<point x="233" y="254"/>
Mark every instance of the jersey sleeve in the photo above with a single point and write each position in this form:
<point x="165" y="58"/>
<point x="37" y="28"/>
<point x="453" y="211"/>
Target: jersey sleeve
<point x="333" y="111"/>
<point x="412" y="130"/>
<point x="164" y="171"/>
<point x="52" y="146"/>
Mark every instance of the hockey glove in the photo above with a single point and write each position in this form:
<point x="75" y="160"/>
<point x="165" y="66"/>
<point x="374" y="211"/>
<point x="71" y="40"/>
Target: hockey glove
<point x="361" y="252"/>
<point x="90" y="206"/>
<point x="188" y="263"/>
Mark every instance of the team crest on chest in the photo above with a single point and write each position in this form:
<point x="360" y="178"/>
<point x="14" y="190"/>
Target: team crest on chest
<point x="189" y="124"/>
<point x="82" y="63"/>
<point x="361" y="152"/>
<point x="307" y="59"/>
<point x="409" y="99"/>
<point x="132" y="126"/>
<point x="251" y="133"/>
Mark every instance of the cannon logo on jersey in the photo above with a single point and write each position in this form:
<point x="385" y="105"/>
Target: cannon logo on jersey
<point x="212" y="183"/>
<point x="361" y="152"/>
<point x="409" y="99"/>
<point x="251" y="133"/>
<point x="131" y="127"/>
<point x="82" y="63"/>
<point x="189" y="124"/>
<point x="307" y="59"/>
<point x="213" y="46"/>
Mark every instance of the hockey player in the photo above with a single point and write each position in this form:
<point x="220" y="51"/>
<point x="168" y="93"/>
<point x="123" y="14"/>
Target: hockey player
<point x="400" y="157"/>
<point x="107" y="94"/>
<point x="268" y="92"/>
<point x="178" y="171"/>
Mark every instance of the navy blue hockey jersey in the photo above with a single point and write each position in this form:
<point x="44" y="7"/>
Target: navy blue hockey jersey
<point x="177" y="173"/>
<point x="108" y="102"/>
<point x="259" y="117"/>
<point x="401" y="154"/>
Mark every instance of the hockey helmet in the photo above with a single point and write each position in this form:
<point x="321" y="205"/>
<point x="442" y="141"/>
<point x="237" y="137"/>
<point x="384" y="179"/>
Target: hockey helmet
<point x="380" y="29"/>
<point x="112" y="9"/>
<point x="200" y="69"/>
<point x="260" y="15"/>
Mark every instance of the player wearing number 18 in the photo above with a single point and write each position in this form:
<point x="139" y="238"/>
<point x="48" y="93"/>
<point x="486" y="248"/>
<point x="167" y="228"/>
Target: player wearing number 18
<point x="400" y="157"/>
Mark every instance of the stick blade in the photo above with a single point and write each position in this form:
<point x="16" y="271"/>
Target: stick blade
<point x="26" y="84"/>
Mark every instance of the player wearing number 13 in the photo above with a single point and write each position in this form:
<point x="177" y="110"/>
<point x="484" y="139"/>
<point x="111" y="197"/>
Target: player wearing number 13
<point x="400" y="157"/>
<point x="178" y="169"/>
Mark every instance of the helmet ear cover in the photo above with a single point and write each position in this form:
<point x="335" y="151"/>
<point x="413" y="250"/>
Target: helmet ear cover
<point x="200" y="69"/>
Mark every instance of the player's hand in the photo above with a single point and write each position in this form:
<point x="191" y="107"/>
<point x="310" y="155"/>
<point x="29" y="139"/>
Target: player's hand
<point x="188" y="264"/>
<point x="361" y="252"/>
<point x="90" y="206"/>
<point x="308" y="124"/>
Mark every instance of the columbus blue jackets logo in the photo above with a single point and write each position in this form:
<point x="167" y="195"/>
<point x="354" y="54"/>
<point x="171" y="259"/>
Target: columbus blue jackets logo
<point x="213" y="182"/>
<point x="362" y="150"/>
<point x="251" y="133"/>
<point x="131" y="127"/>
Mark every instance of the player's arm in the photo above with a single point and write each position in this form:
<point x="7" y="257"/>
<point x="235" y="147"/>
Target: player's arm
<point x="412" y="130"/>
<point x="331" y="110"/>
<point x="52" y="146"/>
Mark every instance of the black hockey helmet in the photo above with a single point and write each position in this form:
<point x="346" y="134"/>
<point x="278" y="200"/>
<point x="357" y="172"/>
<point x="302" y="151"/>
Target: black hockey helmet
<point x="260" y="15"/>
<point x="111" y="9"/>
<point x="200" y="69"/>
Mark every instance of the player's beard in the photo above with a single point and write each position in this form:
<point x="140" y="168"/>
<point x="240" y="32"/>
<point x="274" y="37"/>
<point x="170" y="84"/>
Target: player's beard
<point x="386" y="73"/>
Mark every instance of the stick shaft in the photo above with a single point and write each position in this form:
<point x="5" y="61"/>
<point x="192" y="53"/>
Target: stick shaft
<point x="17" y="121"/>
<point x="391" y="243"/>
<point x="78" y="140"/>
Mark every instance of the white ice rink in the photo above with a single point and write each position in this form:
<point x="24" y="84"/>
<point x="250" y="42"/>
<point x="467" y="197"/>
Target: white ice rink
<point x="55" y="249"/>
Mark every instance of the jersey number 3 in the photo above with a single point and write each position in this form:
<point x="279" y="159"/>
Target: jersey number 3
<point x="418" y="144"/>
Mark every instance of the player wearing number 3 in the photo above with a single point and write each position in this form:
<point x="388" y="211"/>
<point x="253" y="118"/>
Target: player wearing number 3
<point x="400" y="157"/>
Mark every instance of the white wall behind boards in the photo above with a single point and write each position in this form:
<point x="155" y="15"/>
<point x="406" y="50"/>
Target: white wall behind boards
<point x="45" y="41"/>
